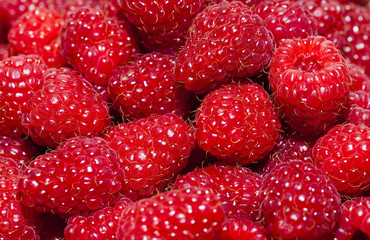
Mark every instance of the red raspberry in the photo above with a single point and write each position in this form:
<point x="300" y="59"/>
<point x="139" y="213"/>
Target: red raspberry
<point x="310" y="83"/>
<point x="4" y="51"/>
<point x="358" y="108"/>
<point x="360" y="80"/>
<point x="299" y="202"/>
<point x="148" y="87"/>
<point x="103" y="224"/>
<point x="343" y="153"/>
<point x="152" y="151"/>
<point x="20" y="77"/>
<point x="226" y="40"/>
<point x="237" y="123"/>
<point x="82" y="175"/>
<point x="286" y="19"/>
<point x="20" y="150"/>
<point x="236" y="187"/>
<point x="236" y="229"/>
<point x="162" y="24"/>
<point x="188" y="213"/>
<point x="38" y="32"/>
<point x="66" y="106"/>
<point x="94" y="44"/>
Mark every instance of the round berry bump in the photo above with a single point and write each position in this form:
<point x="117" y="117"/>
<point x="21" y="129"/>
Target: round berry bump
<point x="188" y="213"/>
<point x="66" y="106"/>
<point x="38" y="32"/>
<point x="148" y="87"/>
<point x="20" y="150"/>
<point x="152" y="152"/>
<point x="299" y="202"/>
<point x="20" y="77"/>
<point x="94" y="43"/>
<point x="236" y="229"/>
<point x="237" y="123"/>
<point x="343" y="153"/>
<point x="310" y="83"/>
<point x="226" y="40"/>
<point x="236" y="187"/>
<point x="81" y="176"/>
<point x="358" y="107"/>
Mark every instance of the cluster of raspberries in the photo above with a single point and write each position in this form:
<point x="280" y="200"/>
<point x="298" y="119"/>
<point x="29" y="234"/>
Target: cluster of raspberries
<point x="184" y="119"/>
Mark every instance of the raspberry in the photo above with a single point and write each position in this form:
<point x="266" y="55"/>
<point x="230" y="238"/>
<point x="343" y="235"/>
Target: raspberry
<point x="343" y="154"/>
<point x="162" y="24"/>
<point x="4" y="51"/>
<point x="38" y="32"/>
<point x="299" y="202"/>
<point x="94" y="44"/>
<point x="286" y="19"/>
<point x="148" y="87"/>
<point x="236" y="187"/>
<point x="310" y="83"/>
<point x="360" y="80"/>
<point x="358" y="107"/>
<point x="226" y="40"/>
<point x="188" y="213"/>
<point x="66" y="106"/>
<point x="81" y="176"/>
<point x="236" y="229"/>
<point x="20" y="77"/>
<point x="20" y="150"/>
<point x="237" y="123"/>
<point x="103" y="224"/>
<point x="152" y="152"/>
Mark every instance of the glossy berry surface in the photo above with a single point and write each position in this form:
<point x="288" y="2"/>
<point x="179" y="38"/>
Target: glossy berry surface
<point x="152" y="151"/>
<point x="66" y="106"/>
<point x="310" y="83"/>
<point x="20" y="150"/>
<point x="235" y="229"/>
<point x="176" y="214"/>
<point x="81" y="176"/>
<point x="344" y="155"/>
<point x="237" y="123"/>
<point x="237" y="188"/>
<point x="222" y="43"/>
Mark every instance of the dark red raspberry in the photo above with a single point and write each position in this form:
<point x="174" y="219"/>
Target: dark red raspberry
<point x="343" y="153"/>
<point x="162" y="24"/>
<point x="152" y="151"/>
<point x="226" y="40"/>
<point x="66" y="106"/>
<point x="310" y="83"/>
<point x="38" y="32"/>
<point x="20" y="77"/>
<point x="299" y="202"/>
<point x="94" y="43"/>
<point x="236" y="187"/>
<point x="103" y="224"/>
<point x="358" y="107"/>
<point x="236" y="229"/>
<point x="237" y="123"/>
<point x="188" y="213"/>
<point x="148" y="87"/>
<point x="20" y="150"/>
<point x="81" y="176"/>
<point x="286" y="19"/>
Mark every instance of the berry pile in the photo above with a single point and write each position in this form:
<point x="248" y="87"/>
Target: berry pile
<point x="189" y="119"/>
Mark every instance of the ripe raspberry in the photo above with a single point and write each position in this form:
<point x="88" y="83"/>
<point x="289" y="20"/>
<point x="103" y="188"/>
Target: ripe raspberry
<point x="162" y="24"/>
<point x="236" y="229"/>
<point x="148" y="87"/>
<point x="343" y="153"/>
<point x="66" y="106"/>
<point x="359" y="79"/>
<point x="20" y="77"/>
<point x="4" y="51"/>
<point x="236" y="187"/>
<point x="188" y="213"/>
<point x="299" y="202"/>
<point x="152" y="152"/>
<point x="94" y="44"/>
<point x="310" y="82"/>
<point x="237" y="123"/>
<point x="103" y="224"/>
<point x="358" y="108"/>
<point x="286" y="19"/>
<point x="38" y="32"/>
<point x="20" y="150"/>
<point x="81" y="176"/>
<point x="226" y="40"/>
